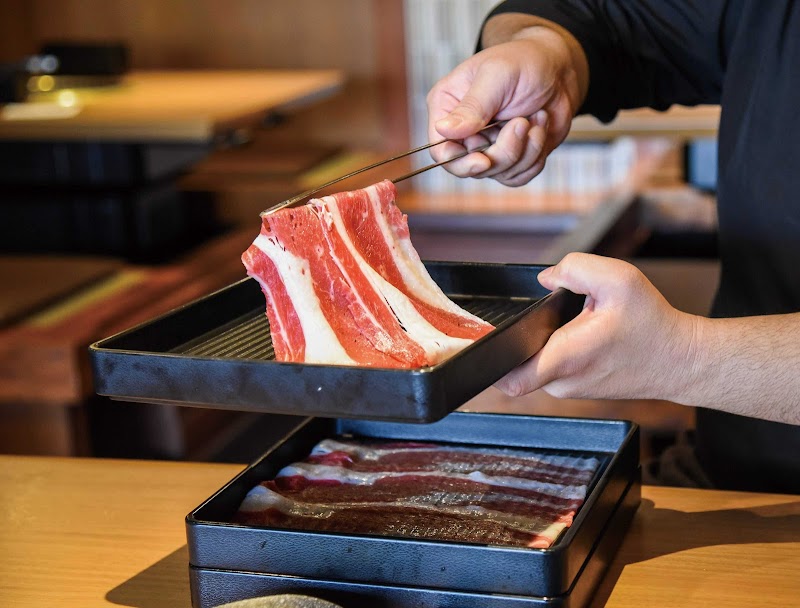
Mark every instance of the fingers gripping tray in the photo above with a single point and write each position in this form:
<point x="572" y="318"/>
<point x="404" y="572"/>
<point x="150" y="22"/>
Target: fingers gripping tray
<point x="231" y="561"/>
<point x="217" y="352"/>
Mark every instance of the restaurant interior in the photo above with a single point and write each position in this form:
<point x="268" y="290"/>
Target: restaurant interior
<point x="139" y="143"/>
<point x="102" y="234"/>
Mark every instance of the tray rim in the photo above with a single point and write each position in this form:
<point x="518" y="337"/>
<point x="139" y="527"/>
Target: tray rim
<point x="101" y="345"/>
<point x="554" y="548"/>
<point x="619" y="520"/>
<point x="557" y="551"/>
<point x="419" y="395"/>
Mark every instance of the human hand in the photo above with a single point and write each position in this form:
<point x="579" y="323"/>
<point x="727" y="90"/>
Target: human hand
<point x="532" y="82"/>
<point x="626" y="343"/>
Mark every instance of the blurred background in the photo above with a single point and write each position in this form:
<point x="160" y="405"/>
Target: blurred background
<point x="140" y="139"/>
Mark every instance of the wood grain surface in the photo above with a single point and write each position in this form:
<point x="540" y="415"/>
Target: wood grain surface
<point x="44" y="357"/>
<point x="679" y="122"/>
<point x="85" y="533"/>
<point x="185" y="106"/>
<point x="32" y="282"/>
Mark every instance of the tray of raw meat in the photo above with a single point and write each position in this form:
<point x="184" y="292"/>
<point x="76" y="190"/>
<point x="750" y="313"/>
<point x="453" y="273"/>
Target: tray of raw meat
<point x="476" y="510"/>
<point x="339" y="318"/>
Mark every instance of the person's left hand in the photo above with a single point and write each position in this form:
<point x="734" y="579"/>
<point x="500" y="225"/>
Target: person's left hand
<point x="627" y="342"/>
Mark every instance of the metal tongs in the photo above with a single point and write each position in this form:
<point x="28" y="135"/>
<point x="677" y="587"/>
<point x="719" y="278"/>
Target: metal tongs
<point x="304" y="195"/>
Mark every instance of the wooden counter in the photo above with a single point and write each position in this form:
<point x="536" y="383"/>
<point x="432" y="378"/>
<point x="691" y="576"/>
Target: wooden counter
<point x="86" y="533"/>
<point x="174" y="105"/>
<point x="679" y="122"/>
<point x="44" y="357"/>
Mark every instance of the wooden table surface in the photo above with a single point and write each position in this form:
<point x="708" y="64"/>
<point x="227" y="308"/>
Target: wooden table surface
<point x="44" y="357"/>
<point x="84" y="533"/>
<point x="185" y="106"/>
<point x="678" y="122"/>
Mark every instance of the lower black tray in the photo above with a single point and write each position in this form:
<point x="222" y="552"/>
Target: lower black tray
<point x="215" y="544"/>
<point x="214" y="587"/>
<point x="217" y="352"/>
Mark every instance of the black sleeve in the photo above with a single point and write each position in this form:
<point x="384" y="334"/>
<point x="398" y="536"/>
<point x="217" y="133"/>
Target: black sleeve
<point x="643" y="53"/>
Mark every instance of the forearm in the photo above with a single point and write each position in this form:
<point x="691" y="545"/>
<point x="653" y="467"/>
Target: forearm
<point x="517" y="26"/>
<point x="748" y="366"/>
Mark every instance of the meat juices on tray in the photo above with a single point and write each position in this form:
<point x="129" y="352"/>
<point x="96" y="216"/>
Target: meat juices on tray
<point x="344" y="285"/>
<point x="429" y="491"/>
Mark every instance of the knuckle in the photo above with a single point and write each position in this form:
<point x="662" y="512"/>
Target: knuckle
<point x="515" y="388"/>
<point x="432" y="98"/>
<point x="511" y="386"/>
<point x="569" y="261"/>
<point x="630" y="275"/>
<point x="538" y="167"/>
<point x="510" y="154"/>
<point x="472" y="103"/>
<point x="514" y="182"/>
<point x="495" y="64"/>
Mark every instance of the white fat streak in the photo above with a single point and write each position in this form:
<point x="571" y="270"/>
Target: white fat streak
<point x="282" y="325"/>
<point x="261" y="498"/>
<point x="322" y="344"/>
<point x="363" y="452"/>
<point x="367" y="478"/>
<point x="436" y="344"/>
<point x="551" y="533"/>
<point x="412" y="270"/>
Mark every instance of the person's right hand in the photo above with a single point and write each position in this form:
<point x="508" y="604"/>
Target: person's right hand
<point x="532" y="82"/>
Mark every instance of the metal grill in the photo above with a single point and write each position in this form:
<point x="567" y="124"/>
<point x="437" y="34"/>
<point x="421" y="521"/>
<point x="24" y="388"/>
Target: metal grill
<point x="493" y="310"/>
<point x="249" y="338"/>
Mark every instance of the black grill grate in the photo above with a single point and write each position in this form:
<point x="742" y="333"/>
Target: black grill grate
<point x="248" y="337"/>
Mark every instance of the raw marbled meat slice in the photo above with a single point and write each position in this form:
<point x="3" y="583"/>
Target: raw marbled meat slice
<point x="328" y="303"/>
<point x="341" y="318"/>
<point x="379" y="231"/>
<point x="410" y="457"/>
<point x="425" y="490"/>
<point x="475" y="524"/>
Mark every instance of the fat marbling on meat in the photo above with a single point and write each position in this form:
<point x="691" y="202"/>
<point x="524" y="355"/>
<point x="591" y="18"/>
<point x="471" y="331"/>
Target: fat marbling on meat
<point x="427" y="491"/>
<point x="344" y="285"/>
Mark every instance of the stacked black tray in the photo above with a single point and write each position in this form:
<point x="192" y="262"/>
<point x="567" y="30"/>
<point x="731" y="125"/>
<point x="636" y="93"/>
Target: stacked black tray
<point x="229" y="562"/>
<point x="217" y="352"/>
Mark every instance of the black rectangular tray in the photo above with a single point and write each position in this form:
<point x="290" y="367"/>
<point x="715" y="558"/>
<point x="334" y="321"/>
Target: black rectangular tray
<point x="216" y="545"/>
<point x="217" y="352"/>
<point x="211" y="588"/>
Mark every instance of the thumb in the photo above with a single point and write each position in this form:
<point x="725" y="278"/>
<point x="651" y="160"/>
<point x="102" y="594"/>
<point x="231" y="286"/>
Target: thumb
<point x="586" y="274"/>
<point x="482" y="101"/>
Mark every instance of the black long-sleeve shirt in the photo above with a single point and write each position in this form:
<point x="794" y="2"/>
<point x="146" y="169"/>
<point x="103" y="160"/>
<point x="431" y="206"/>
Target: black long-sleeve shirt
<point x="744" y="55"/>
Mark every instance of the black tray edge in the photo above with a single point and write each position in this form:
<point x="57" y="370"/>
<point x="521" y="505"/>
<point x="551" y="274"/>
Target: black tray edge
<point x="421" y="395"/>
<point x="559" y="564"/>
<point x="210" y="587"/>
